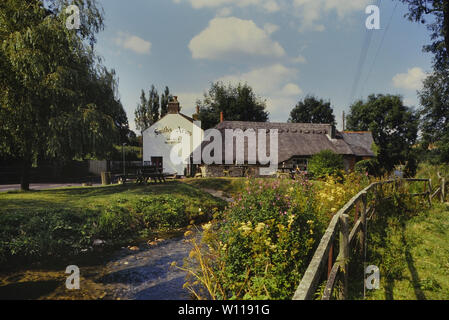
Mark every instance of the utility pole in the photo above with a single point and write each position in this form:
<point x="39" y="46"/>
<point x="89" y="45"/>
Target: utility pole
<point x="344" y="119"/>
<point x="124" y="163"/>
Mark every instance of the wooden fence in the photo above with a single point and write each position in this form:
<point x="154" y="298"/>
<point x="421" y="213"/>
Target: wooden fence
<point x="340" y="224"/>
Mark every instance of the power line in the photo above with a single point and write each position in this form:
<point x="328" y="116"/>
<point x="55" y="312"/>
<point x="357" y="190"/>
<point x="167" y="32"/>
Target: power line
<point x="380" y="47"/>
<point x="362" y="59"/>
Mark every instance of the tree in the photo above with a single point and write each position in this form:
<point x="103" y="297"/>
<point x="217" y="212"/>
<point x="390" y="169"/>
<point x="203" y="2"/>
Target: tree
<point x="238" y="103"/>
<point x="142" y="115"/>
<point x="434" y="98"/>
<point x="165" y="98"/>
<point x="439" y="26"/>
<point x="312" y="110"/>
<point x="154" y="105"/>
<point x="393" y="125"/>
<point x="56" y="99"/>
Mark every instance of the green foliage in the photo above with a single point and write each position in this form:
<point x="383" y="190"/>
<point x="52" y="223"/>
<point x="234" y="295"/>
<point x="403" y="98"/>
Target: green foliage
<point x="260" y="246"/>
<point x="370" y="166"/>
<point x="238" y="103"/>
<point x="27" y="236"/>
<point x="32" y="234"/>
<point x="434" y="13"/>
<point x="393" y="125"/>
<point x="56" y="99"/>
<point x="142" y="115"/>
<point x="165" y="98"/>
<point x="434" y="98"/>
<point x="132" y="153"/>
<point x="407" y="243"/>
<point x="264" y="240"/>
<point x="116" y="223"/>
<point x="312" y="110"/>
<point x="325" y="163"/>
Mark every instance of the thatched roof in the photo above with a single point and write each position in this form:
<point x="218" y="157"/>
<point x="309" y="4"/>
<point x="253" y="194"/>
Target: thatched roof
<point x="302" y="139"/>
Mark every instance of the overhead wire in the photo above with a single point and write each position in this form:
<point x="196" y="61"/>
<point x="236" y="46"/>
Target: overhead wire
<point x="363" y="54"/>
<point x="379" y="48"/>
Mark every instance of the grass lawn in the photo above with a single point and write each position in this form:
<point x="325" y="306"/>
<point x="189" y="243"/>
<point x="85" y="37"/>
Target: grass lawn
<point x="41" y="226"/>
<point x="95" y="197"/>
<point x="424" y="258"/>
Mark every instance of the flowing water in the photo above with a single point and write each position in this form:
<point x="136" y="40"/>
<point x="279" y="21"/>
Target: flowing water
<point x="143" y="274"/>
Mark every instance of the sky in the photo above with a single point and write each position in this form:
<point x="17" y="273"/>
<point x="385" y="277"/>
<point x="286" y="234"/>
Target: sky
<point x="284" y="49"/>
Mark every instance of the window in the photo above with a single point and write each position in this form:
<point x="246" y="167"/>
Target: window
<point x="300" y="163"/>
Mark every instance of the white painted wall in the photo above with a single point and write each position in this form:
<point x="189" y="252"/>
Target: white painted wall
<point x="156" y="141"/>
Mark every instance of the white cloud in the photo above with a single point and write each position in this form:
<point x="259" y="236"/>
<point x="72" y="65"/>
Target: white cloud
<point x="299" y="59"/>
<point x="412" y="80"/>
<point x="270" y="28"/>
<point x="188" y="100"/>
<point x="267" y="5"/>
<point x="291" y="89"/>
<point x="224" y="12"/>
<point x="273" y="83"/>
<point x="264" y="80"/>
<point x="311" y="12"/>
<point x="228" y="38"/>
<point x="133" y="43"/>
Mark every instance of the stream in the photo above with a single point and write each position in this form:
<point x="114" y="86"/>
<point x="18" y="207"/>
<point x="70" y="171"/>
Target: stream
<point x="143" y="273"/>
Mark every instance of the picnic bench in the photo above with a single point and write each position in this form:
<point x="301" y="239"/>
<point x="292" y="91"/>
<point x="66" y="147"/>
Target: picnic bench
<point x="143" y="175"/>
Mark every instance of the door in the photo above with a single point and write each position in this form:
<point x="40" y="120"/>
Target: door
<point x="157" y="162"/>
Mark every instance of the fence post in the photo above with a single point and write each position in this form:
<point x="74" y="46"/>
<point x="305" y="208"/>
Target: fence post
<point x="443" y="189"/>
<point x="330" y="260"/>
<point x="343" y="256"/>
<point x="363" y="220"/>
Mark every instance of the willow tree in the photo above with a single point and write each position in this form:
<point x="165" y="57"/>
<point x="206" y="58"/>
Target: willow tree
<point x="56" y="99"/>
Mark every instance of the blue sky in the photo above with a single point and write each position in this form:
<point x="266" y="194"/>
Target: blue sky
<point x="284" y="49"/>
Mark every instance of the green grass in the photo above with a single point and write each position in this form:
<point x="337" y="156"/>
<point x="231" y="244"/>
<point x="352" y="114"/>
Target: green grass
<point x="94" y="197"/>
<point x="421" y="258"/>
<point x="230" y="186"/>
<point x="41" y="226"/>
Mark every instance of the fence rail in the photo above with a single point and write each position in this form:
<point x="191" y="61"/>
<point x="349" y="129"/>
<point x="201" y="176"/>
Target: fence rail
<point x="340" y="225"/>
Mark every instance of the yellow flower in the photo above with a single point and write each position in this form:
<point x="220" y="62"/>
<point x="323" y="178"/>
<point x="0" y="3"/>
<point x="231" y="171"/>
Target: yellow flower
<point x="188" y="233"/>
<point x="259" y="227"/>
<point x="207" y="226"/>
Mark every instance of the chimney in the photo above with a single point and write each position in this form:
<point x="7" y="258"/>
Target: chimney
<point x="196" y="116"/>
<point x="221" y="117"/>
<point x="344" y="120"/>
<point x="173" y="106"/>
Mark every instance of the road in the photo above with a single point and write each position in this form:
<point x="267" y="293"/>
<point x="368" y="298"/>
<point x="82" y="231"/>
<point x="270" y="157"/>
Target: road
<point x="40" y="186"/>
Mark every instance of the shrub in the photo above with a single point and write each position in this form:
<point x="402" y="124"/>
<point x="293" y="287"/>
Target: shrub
<point x="370" y="166"/>
<point x="29" y="236"/>
<point x="116" y="224"/>
<point x="325" y="163"/>
<point x="259" y="250"/>
<point x="262" y="243"/>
